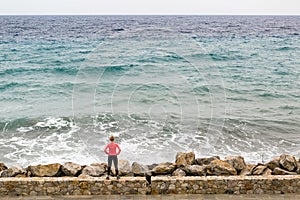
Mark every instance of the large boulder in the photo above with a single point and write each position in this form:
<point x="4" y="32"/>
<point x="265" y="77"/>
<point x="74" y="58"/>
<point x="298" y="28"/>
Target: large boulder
<point x="288" y="162"/>
<point x="50" y="170"/>
<point x="2" y="166"/>
<point x="237" y="162"/>
<point x="71" y="169"/>
<point x="195" y="170"/>
<point x="220" y="167"/>
<point x="179" y="172"/>
<point x="164" y="169"/>
<point x="95" y="169"/>
<point x="247" y="171"/>
<point x="124" y="168"/>
<point x="272" y="164"/>
<point x="279" y="171"/>
<point x="139" y="170"/>
<point x="183" y="159"/>
<point x="12" y="172"/>
<point x="206" y="161"/>
<point x="261" y="169"/>
<point x="152" y="166"/>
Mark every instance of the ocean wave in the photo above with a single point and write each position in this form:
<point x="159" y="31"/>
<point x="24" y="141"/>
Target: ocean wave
<point x="286" y="48"/>
<point x="271" y="95"/>
<point x="69" y="138"/>
<point x="227" y="57"/>
<point x="159" y="59"/>
<point x="10" y="85"/>
<point x="30" y="70"/>
<point x="31" y="124"/>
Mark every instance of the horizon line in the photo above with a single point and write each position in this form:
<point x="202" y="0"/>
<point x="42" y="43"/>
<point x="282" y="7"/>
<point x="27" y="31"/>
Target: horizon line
<point x="144" y="14"/>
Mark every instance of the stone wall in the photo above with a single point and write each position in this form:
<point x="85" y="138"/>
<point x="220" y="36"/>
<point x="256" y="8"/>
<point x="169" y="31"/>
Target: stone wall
<point x="159" y="185"/>
<point x="226" y="185"/>
<point x="72" y="186"/>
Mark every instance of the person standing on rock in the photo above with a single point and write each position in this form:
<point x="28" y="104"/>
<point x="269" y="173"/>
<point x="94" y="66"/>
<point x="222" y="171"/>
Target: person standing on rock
<point x="112" y="150"/>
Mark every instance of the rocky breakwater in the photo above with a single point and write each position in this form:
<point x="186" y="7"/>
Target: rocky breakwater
<point x="187" y="175"/>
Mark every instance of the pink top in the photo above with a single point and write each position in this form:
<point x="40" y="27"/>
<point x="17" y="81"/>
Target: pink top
<point x="111" y="149"/>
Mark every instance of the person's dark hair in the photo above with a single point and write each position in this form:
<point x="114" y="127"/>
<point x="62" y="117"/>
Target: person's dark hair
<point x="111" y="138"/>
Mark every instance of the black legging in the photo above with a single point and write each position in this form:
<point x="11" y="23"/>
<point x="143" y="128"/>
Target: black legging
<point x="110" y="159"/>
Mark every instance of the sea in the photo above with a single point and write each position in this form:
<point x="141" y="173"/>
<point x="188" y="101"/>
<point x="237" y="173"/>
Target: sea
<point x="214" y="85"/>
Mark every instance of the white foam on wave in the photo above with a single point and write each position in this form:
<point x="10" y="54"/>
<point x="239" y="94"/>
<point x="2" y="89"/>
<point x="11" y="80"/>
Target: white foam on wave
<point x="59" y="140"/>
<point x="25" y="129"/>
<point x="52" y="122"/>
<point x="42" y="147"/>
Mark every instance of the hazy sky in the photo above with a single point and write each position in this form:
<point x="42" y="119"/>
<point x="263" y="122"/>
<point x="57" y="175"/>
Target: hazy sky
<point x="265" y="7"/>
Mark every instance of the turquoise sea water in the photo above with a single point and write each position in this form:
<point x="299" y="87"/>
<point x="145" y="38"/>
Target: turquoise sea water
<point x="216" y="85"/>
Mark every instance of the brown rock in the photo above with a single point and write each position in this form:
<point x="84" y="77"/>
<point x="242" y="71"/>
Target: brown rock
<point x="151" y="167"/>
<point x="164" y="169"/>
<point x="298" y="168"/>
<point x="50" y="170"/>
<point x="103" y="165"/>
<point x="83" y="176"/>
<point x="267" y="172"/>
<point x="261" y="169"/>
<point x="279" y="171"/>
<point x="71" y="169"/>
<point x="288" y="162"/>
<point x="195" y="170"/>
<point x="95" y="169"/>
<point x="206" y="161"/>
<point x="2" y="167"/>
<point x="21" y="175"/>
<point x="124" y="168"/>
<point x="139" y="170"/>
<point x="220" y="167"/>
<point x="183" y="159"/>
<point x="179" y="172"/>
<point x="208" y="170"/>
<point x="273" y="163"/>
<point x="247" y="171"/>
<point x="12" y="172"/>
<point x="237" y="162"/>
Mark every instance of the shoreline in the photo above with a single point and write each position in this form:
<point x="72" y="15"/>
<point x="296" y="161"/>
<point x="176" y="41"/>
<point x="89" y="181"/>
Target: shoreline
<point x="187" y="175"/>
